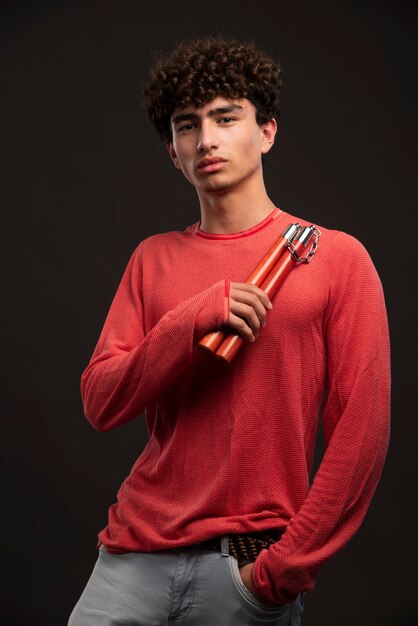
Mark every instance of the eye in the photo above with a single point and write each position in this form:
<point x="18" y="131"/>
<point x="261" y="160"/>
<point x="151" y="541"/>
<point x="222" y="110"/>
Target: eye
<point x="226" y="120"/>
<point x="186" y="127"/>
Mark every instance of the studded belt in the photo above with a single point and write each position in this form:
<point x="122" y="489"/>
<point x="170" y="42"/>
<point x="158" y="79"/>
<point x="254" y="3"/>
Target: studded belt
<point x="245" y="547"/>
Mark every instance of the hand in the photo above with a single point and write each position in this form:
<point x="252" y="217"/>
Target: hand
<point x="248" y="307"/>
<point x="245" y="572"/>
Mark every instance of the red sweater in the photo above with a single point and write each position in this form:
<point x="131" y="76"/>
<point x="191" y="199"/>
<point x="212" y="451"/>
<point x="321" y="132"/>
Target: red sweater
<point x="230" y="446"/>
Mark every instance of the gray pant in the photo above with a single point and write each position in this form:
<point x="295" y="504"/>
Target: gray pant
<point x="188" y="586"/>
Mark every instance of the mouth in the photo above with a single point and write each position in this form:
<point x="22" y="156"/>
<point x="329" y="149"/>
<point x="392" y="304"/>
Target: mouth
<point x="211" y="164"/>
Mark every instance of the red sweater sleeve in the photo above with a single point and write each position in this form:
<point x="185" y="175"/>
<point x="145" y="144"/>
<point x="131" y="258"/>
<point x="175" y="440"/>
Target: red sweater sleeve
<point x="129" y="368"/>
<point x="356" y="426"/>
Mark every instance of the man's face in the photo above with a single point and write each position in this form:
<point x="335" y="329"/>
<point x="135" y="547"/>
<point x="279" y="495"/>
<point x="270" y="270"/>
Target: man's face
<point x="218" y="146"/>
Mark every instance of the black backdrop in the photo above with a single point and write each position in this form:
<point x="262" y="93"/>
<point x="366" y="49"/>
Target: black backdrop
<point x="85" y="179"/>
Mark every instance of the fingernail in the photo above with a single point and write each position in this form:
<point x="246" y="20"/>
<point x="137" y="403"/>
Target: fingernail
<point x="269" y="306"/>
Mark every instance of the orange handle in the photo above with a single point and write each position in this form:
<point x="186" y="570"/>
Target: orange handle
<point x="233" y="342"/>
<point x="212" y="341"/>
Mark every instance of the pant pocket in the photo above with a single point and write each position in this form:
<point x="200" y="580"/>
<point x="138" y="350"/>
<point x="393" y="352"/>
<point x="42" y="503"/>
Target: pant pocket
<point x="246" y="594"/>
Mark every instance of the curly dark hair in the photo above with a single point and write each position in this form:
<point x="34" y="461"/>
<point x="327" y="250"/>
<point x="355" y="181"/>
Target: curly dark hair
<point x="199" y="69"/>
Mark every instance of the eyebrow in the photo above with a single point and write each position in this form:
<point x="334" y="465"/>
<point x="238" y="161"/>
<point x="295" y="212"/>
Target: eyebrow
<point x="211" y="113"/>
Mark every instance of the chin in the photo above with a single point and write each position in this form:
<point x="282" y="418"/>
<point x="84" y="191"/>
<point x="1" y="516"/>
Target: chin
<point x="217" y="186"/>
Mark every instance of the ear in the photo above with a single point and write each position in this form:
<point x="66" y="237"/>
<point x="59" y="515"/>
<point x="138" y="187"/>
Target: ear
<point x="173" y="154"/>
<point x="268" y="131"/>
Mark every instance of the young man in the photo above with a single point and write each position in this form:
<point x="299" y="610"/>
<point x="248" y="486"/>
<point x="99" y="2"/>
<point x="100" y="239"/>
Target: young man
<point x="217" y="522"/>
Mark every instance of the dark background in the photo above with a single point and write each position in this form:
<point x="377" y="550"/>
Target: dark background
<point x="85" y="179"/>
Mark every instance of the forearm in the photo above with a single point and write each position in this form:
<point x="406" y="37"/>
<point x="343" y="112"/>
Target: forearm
<point x="122" y="379"/>
<point x="334" y="508"/>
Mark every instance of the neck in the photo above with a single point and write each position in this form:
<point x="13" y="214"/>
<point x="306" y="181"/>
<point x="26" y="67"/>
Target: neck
<point x="234" y="211"/>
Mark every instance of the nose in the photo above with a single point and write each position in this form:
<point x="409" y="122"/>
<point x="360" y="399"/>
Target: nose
<point x="207" y="137"/>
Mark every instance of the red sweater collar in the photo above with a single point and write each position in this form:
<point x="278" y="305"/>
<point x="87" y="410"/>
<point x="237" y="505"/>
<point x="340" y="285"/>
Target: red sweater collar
<point x="243" y="233"/>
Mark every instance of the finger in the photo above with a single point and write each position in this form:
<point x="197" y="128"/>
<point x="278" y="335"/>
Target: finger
<point x="247" y="298"/>
<point x="255" y="290"/>
<point x="253" y="317"/>
<point x="241" y="327"/>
